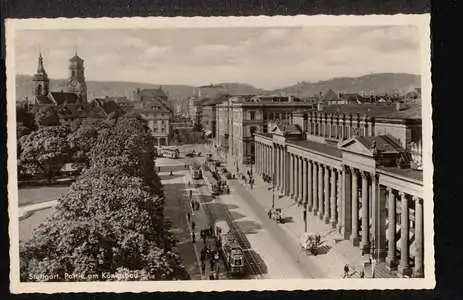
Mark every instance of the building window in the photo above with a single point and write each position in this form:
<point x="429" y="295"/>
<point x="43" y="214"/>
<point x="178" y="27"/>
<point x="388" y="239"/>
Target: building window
<point x="252" y="115"/>
<point x="252" y="130"/>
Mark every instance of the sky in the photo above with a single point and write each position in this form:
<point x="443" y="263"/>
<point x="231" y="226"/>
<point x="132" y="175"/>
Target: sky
<point x="267" y="58"/>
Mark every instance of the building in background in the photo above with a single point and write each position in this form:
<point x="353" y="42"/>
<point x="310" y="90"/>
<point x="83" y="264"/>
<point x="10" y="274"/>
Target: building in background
<point x="240" y="117"/>
<point x="209" y="114"/>
<point x="152" y="104"/>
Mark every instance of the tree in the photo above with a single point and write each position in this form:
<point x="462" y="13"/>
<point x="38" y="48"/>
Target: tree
<point x="47" y="116"/>
<point x="44" y="151"/>
<point x="25" y="121"/>
<point x="103" y="224"/>
<point x="81" y="143"/>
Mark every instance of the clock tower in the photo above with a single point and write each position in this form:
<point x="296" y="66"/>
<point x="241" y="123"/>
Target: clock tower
<point x="76" y="82"/>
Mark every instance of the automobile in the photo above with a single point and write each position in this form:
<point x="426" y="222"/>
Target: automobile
<point x="190" y="154"/>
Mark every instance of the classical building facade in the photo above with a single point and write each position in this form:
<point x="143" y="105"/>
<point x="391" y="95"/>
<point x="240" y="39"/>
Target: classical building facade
<point x="363" y="185"/>
<point x="240" y="117"/>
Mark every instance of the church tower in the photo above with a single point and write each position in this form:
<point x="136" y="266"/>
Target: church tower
<point x="76" y="81"/>
<point x="40" y="79"/>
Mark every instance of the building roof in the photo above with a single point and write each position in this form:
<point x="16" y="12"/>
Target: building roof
<point x="151" y="105"/>
<point x="377" y="110"/>
<point x="108" y="106"/>
<point x="382" y="143"/>
<point x="330" y="96"/>
<point x="408" y="173"/>
<point x="61" y="98"/>
<point x="76" y="58"/>
<point x="318" y="147"/>
<point x="43" y="100"/>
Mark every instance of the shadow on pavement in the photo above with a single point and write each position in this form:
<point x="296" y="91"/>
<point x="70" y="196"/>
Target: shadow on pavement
<point x="168" y="177"/>
<point x="248" y="227"/>
<point x="287" y="219"/>
<point x="323" y="249"/>
<point x="236" y="215"/>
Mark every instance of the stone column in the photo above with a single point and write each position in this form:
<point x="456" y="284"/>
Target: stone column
<point x="304" y="182"/>
<point x="355" y="210"/>
<point x="320" y="190"/>
<point x="379" y="214"/>
<point x="281" y="170"/>
<point x="291" y="175"/>
<point x="315" y="187"/>
<point x="404" y="267"/>
<point x="391" y="230"/>
<point x="300" y="181"/>
<point x="326" y="198"/>
<point x="333" y="198"/>
<point x="365" y="245"/>
<point x="296" y="177"/>
<point x="339" y="214"/>
<point x="346" y="201"/>
<point x="419" y="245"/>
<point x="287" y="173"/>
<point x="310" y="185"/>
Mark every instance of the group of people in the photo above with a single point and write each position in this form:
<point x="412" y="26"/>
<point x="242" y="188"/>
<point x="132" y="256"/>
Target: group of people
<point x="362" y="272"/>
<point x="210" y="254"/>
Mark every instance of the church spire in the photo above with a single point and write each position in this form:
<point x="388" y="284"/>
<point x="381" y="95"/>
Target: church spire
<point x="40" y="68"/>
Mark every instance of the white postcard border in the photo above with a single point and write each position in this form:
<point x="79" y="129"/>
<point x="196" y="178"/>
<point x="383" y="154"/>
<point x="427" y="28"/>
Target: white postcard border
<point x="421" y="21"/>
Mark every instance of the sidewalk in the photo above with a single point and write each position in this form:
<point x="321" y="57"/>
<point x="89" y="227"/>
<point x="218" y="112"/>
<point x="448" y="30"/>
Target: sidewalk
<point x="24" y="210"/>
<point x="202" y="219"/>
<point x="335" y="252"/>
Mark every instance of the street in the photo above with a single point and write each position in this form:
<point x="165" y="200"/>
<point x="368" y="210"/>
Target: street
<point x="269" y="252"/>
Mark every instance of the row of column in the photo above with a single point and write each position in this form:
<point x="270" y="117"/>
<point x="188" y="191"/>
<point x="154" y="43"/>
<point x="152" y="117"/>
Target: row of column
<point x="336" y="131"/>
<point x="352" y="201"/>
<point x="264" y="159"/>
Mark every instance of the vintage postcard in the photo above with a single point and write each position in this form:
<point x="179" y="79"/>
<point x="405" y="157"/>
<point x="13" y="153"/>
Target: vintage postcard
<point x="220" y="154"/>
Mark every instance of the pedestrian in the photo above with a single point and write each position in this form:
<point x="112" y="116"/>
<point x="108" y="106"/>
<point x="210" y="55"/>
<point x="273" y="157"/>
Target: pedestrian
<point x="203" y="268"/>
<point x="159" y="169"/>
<point x="188" y="215"/>
<point x="193" y="225"/>
<point x="346" y="270"/>
<point x="212" y="264"/>
<point x="189" y="183"/>
<point x="362" y="274"/>
<point x="203" y="233"/>
<point x="171" y="174"/>
<point x="211" y="276"/>
<point x="193" y="237"/>
<point x="203" y="256"/>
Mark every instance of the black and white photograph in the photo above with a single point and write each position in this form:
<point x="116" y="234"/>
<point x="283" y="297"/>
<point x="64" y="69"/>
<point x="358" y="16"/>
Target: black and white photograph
<point x="238" y="153"/>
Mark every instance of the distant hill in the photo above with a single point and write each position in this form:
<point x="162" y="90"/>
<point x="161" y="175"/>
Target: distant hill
<point x="378" y="83"/>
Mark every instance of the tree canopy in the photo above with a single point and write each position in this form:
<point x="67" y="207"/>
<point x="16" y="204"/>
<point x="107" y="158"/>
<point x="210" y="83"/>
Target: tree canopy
<point x="44" y="151"/>
<point x="111" y="219"/>
<point x="47" y="116"/>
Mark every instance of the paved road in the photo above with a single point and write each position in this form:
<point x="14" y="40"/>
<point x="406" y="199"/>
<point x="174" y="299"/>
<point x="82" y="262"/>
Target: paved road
<point x="270" y="250"/>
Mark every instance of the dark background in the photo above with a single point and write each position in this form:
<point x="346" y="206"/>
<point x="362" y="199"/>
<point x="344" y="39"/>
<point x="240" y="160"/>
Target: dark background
<point x="446" y="114"/>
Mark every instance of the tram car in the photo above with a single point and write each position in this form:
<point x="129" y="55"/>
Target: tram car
<point x="230" y="250"/>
